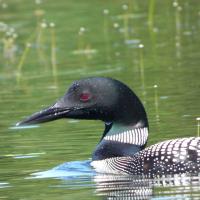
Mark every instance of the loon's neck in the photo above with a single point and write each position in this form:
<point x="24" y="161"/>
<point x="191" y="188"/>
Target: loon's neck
<point x="121" y="140"/>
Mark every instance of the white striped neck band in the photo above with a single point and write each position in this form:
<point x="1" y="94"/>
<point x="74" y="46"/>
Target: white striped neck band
<point x="137" y="136"/>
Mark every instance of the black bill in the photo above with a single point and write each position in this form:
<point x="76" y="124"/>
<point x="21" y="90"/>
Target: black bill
<point x="48" y="114"/>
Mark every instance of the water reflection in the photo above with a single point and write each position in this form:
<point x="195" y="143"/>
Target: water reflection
<point x="123" y="187"/>
<point x="79" y="174"/>
<point x="67" y="171"/>
<point x="131" y="187"/>
<point x="4" y="185"/>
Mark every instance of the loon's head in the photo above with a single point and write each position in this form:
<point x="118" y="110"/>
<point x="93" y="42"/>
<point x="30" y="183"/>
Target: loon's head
<point x="99" y="98"/>
<point x="106" y="99"/>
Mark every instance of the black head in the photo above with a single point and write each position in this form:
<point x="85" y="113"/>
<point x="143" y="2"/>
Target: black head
<point x="100" y="98"/>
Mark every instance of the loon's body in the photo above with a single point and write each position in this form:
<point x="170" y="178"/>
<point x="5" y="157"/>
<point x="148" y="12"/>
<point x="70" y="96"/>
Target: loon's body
<point x="165" y="158"/>
<point x="122" y="149"/>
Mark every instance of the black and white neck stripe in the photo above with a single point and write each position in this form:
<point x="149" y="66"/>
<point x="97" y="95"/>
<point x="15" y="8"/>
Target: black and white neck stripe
<point x="137" y="136"/>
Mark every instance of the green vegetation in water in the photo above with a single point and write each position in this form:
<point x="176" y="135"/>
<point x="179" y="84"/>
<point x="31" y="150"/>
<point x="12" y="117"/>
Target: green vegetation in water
<point x="198" y="126"/>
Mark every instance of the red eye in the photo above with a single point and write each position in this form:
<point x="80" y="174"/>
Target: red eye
<point x="85" y="97"/>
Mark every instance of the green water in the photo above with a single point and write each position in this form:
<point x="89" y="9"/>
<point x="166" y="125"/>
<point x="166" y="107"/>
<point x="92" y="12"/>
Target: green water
<point x="142" y="43"/>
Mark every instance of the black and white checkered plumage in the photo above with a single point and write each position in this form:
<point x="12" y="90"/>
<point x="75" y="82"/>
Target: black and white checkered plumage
<point x="169" y="157"/>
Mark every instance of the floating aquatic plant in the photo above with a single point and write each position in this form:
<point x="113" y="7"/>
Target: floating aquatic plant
<point x="21" y="61"/>
<point x="198" y="126"/>
<point x="53" y="51"/>
<point x="106" y="32"/>
<point x="156" y="101"/>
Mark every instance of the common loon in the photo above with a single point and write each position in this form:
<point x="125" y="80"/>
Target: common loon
<point x="122" y="148"/>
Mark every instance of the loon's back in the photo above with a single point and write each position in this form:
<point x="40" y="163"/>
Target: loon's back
<point x="175" y="156"/>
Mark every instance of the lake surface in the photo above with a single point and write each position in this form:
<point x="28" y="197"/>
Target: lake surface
<point x="153" y="46"/>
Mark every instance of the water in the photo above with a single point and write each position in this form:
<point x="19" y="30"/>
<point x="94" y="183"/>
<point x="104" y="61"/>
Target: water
<point x="142" y="43"/>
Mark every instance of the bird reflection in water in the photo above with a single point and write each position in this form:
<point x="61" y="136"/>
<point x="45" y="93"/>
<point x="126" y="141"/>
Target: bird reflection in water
<point x="79" y="174"/>
<point x="142" y="188"/>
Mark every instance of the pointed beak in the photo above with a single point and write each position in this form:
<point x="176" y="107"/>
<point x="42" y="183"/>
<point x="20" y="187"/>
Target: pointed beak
<point x="51" y="113"/>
